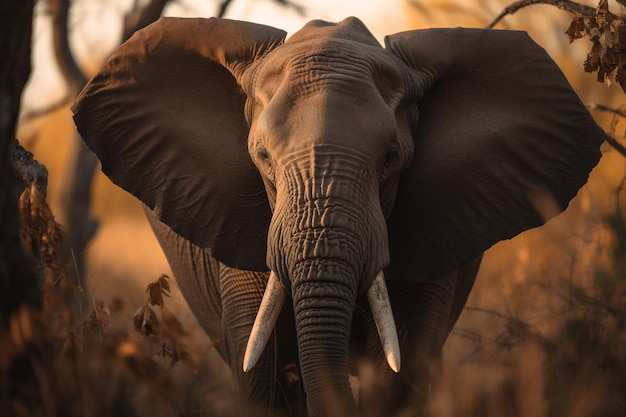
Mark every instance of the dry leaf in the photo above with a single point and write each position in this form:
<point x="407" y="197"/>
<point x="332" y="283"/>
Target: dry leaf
<point x="165" y="284"/>
<point x="145" y="321"/>
<point x="97" y="321"/>
<point x="291" y="374"/>
<point x="621" y="66"/>
<point x="576" y="29"/>
<point x="157" y="289"/>
<point x="607" y="56"/>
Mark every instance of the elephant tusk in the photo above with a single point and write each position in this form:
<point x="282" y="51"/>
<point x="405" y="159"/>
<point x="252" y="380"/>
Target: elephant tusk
<point x="271" y="304"/>
<point x="380" y="305"/>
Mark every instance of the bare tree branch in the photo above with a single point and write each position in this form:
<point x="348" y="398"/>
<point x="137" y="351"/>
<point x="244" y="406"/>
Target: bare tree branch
<point x="74" y="77"/>
<point x="223" y="8"/>
<point x="28" y="116"/>
<point x="139" y="18"/>
<point x="301" y="10"/>
<point x="603" y="107"/>
<point x="567" y="5"/>
<point x="75" y="193"/>
<point x="478" y="13"/>
<point x="224" y="5"/>
<point x="610" y="139"/>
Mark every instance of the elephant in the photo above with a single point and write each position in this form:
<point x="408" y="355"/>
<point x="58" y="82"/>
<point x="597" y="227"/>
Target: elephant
<point x="324" y="200"/>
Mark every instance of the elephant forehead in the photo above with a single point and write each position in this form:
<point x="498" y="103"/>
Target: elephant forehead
<point x="324" y="121"/>
<point x="320" y="64"/>
<point x="350" y="28"/>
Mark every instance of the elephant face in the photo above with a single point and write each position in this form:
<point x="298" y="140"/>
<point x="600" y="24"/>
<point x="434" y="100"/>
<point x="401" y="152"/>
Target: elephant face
<point x="327" y="159"/>
<point x="339" y="166"/>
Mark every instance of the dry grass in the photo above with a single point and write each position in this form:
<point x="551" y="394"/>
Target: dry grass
<point x="95" y="367"/>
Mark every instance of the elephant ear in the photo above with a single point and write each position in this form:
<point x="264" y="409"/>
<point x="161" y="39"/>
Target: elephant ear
<point x="165" y="116"/>
<point x="502" y="144"/>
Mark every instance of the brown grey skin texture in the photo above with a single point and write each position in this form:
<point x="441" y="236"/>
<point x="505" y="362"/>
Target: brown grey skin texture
<point x="327" y="158"/>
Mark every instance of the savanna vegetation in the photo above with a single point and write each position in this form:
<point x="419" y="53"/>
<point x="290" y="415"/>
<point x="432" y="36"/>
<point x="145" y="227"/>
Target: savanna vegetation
<point x="91" y="324"/>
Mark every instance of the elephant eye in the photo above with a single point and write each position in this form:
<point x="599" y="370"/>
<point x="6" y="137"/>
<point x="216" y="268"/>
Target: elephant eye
<point x="261" y="152"/>
<point x="392" y="156"/>
<point x="264" y="158"/>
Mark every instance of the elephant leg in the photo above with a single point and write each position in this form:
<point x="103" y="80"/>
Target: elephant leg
<point x="197" y="274"/>
<point x="424" y="315"/>
<point x="465" y="278"/>
<point x="273" y="386"/>
<point x="225" y="302"/>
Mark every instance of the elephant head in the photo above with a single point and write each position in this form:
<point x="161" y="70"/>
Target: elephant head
<point x="335" y="163"/>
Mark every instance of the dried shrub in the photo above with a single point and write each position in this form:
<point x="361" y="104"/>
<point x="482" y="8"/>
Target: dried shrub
<point x="57" y="362"/>
<point x="608" y="37"/>
<point x="572" y="362"/>
<point x="604" y="28"/>
<point x="162" y="335"/>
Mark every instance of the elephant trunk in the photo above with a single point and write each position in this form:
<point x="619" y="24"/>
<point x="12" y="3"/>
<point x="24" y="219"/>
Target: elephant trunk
<point x="327" y="244"/>
<point x="323" y="303"/>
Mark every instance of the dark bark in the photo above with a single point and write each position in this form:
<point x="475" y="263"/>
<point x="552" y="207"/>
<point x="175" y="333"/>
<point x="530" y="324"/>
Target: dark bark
<point x="18" y="283"/>
<point x="40" y="233"/>
<point x="19" y="286"/>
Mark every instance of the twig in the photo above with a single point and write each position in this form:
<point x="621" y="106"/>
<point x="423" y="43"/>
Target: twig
<point x="73" y="75"/>
<point x="479" y="13"/>
<point x="224" y="5"/>
<point x="301" y="10"/>
<point x="28" y="116"/>
<point x="140" y="17"/>
<point x="609" y="138"/>
<point x="567" y="5"/>
<point x="604" y="107"/>
<point x="223" y="8"/>
<point x="490" y="312"/>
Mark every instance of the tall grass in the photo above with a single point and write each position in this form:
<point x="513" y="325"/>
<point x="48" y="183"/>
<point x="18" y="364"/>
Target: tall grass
<point x="571" y="362"/>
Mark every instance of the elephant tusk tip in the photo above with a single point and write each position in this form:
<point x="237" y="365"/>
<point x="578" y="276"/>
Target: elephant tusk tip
<point x="252" y="355"/>
<point x="394" y="361"/>
<point x="247" y="363"/>
<point x="254" y="350"/>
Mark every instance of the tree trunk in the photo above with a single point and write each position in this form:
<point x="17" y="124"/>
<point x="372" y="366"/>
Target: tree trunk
<point x="19" y="286"/>
<point x="79" y="227"/>
<point x="18" y="282"/>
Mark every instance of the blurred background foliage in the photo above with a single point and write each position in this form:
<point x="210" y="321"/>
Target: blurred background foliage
<point x="544" y="332"/>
